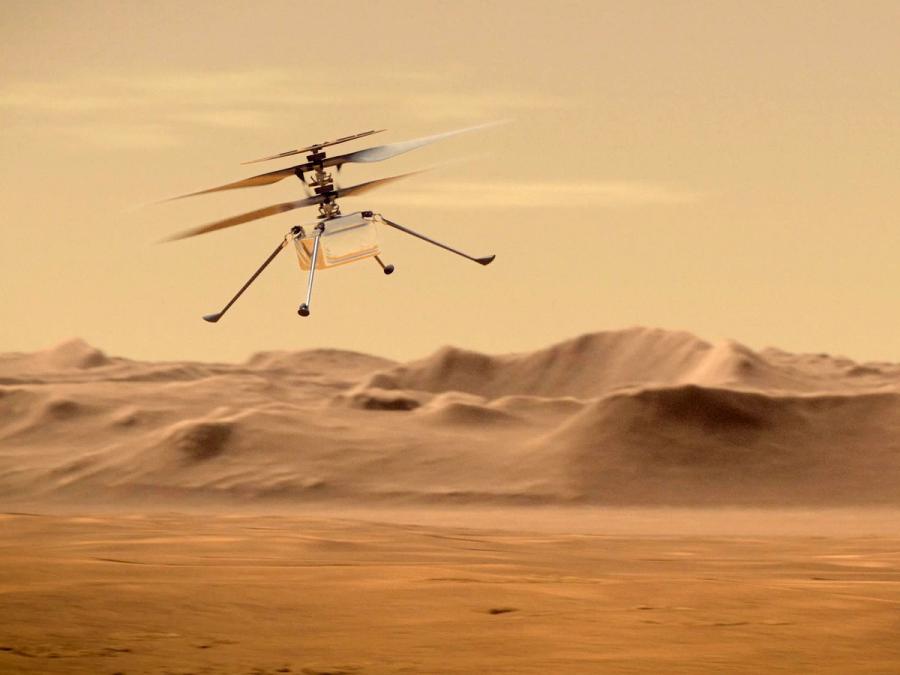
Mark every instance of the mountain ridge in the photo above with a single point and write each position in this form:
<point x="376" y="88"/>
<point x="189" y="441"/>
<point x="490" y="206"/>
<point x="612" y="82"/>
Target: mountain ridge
<point x="638" y="416"/>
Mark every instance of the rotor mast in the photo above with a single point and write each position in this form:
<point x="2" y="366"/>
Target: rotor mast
<point x="322" y="183"/>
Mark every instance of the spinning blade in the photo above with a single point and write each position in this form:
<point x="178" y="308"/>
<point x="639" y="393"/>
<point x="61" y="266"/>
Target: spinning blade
<point x="253" y="181"/>
<point x="283" y="207"/>
<point x="381" y="152"/>
<point x="316" y="146"/>
<point x="376" y="154"/>
<point x="242" y="218"/>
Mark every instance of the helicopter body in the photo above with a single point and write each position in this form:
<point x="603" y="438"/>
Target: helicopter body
<point x="344" y="240"/>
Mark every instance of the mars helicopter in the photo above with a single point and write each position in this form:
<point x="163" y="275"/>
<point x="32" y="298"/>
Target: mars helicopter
<point x="333" y="239"/>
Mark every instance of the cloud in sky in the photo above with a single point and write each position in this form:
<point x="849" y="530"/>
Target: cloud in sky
<point x="159" y="110"/>
<point x="172" y="103"/>
<point x="120" y="136"/>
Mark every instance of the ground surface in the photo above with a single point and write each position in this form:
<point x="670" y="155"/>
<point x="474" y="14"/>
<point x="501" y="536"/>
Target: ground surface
<point x="463" y="513"/>
<point x="273" y="594"/>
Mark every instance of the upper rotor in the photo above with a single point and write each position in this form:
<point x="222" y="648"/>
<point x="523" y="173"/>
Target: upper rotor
<point x="315" y="147"/>
<point x="321" y="189"/>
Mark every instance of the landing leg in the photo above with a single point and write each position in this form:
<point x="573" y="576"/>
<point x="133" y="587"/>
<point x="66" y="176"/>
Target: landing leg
<point x="212" y="318"/>
<point x="304" y="308"/>
<point x="486" y="260"/>
<point x="388" y="269"/>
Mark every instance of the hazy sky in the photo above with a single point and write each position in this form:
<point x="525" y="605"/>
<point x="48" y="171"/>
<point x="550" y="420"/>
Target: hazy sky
<point x="731" y="169"/>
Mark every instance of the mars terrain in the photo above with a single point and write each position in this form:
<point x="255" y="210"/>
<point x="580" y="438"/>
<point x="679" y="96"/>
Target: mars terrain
<point x="627" y="501"/>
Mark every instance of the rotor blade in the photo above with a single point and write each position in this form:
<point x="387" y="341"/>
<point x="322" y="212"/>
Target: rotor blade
<point x="261" y="179"/>
<point x="288" y="206"/>
<point x="247" y="217"/>
<point x="381" y="152"/>
<point x="212" y="318"/>
<point x="375" y="154"/>
<point x="372" y="184"/>
<point x="316" y="146"/>
<point x="487" y="260"/>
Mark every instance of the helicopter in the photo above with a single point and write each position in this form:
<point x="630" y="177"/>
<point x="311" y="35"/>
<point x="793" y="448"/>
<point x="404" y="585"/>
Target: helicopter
<point x="333" y="239"/>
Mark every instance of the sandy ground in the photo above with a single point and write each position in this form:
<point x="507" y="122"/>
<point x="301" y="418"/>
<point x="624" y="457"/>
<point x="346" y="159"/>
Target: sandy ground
<point x="275" y="594"/>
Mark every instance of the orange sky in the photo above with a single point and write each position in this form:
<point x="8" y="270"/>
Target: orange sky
<point x="725" y="168"/>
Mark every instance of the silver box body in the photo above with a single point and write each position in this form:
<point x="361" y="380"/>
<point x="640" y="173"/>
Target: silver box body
<point x="346" y="239"/>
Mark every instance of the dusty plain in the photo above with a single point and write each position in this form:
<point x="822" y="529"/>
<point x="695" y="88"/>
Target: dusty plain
<point x="273" y="594"/>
